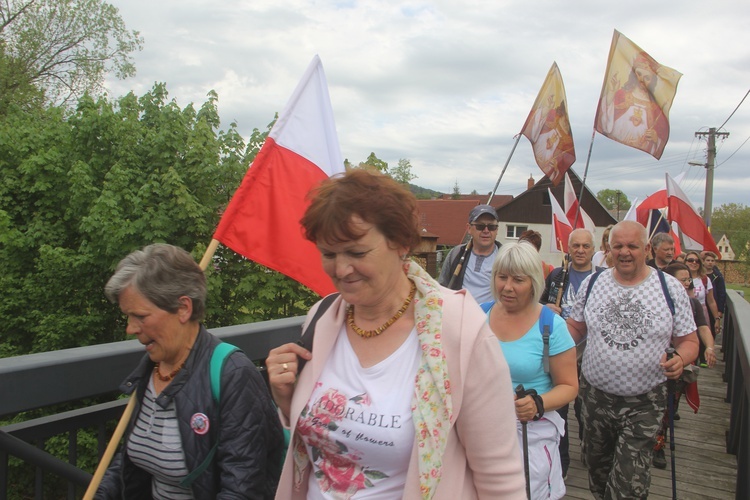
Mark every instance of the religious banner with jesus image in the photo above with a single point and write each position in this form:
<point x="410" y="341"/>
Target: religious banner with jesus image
<point x="548" y="128"/>
<point x="637" y="94"/>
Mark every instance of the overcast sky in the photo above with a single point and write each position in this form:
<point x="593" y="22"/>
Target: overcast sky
<point x="449" y="84"/>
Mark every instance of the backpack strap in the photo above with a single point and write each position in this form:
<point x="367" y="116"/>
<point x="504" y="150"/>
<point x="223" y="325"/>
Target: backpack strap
<point x="218" y="359"/>
<point x="665" y="289"/>
<point x="546" y="317"/>
<point x="662" y="280"/>
<point x="306" y="340"/>
<point x="591" y="285"/>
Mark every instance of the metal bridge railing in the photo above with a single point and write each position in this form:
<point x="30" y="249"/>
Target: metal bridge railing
<point x="46" y="379"/>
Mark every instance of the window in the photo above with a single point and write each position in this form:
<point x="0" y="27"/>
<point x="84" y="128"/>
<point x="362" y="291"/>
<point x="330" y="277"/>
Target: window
<point x="514" y="231"/>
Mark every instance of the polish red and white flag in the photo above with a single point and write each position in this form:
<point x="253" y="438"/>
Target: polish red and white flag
<point x="561" y="227"/>
<point x="262" y="221"/>
<point x="571" y="207"/>
<point x="693" y="228"/>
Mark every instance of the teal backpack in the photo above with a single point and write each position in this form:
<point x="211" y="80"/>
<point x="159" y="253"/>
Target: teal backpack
<point x="218" y="359"/>
<point x="546" y="317"/>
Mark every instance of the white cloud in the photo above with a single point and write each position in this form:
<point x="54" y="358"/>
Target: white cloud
<point x="449" y="84"/>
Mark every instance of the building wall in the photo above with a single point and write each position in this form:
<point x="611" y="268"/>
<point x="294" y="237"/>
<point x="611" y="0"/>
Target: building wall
<point x="734" y="271"/>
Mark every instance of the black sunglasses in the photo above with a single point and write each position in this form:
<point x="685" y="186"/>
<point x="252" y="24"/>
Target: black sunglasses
<point x="482" y="227"/>
<point x="692" y="261"/>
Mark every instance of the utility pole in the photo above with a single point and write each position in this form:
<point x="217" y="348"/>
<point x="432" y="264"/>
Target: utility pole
<point x="710" y="159"/>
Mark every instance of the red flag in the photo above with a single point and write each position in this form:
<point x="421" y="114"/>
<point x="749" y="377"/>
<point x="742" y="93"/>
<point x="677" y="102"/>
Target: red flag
<point x="692" y="397"/>
<point x="262" y="220"/>
<point x="561" y="227"/>
<point x="691" y="224"/>
<point x="571" y="207"/>
<point x="657" y="201"/>
<point x="637" y="94"/>
<point x="548" y="129"/>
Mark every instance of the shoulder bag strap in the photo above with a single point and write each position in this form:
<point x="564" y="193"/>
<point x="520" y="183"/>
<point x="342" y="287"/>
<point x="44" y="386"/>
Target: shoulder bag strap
<point x="218" y="359"/>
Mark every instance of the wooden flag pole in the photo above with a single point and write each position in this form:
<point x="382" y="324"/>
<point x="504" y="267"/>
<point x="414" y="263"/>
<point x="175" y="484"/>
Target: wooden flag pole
<point x="583" y="181"/>
<point x="492" y="194"/>
<point x="460" y="265"/>
<point x="110" y="451"/>
<point x="210" y="251"/>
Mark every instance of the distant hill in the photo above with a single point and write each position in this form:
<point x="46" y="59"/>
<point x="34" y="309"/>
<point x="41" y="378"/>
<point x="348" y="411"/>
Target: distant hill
<point x="424" y="193"/>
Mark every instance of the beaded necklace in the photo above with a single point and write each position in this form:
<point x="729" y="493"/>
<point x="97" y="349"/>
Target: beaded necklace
<point x="366" y="334"/>
<point x="167" y="378"/>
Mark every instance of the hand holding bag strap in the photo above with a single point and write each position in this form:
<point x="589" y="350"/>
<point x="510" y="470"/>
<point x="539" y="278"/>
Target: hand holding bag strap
<point x="306" y="340"/>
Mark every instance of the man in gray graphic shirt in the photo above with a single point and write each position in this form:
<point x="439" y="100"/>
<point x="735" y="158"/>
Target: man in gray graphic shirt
<point x="628" y="322"/>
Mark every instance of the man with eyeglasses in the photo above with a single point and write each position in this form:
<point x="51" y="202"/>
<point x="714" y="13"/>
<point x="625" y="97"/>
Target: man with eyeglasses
<point x="663" y="245"/>
<point x="475" y="274"/>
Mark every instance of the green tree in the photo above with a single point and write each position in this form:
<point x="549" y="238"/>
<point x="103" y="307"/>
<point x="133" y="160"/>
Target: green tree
<point x="80" y="193"/>
<point x="402" y="172"/>
<point x="15" y="86"/>
<point x="613" y="199"/>
<point x="731" y="219"/>
<point x="373" y="162"/>
<point x="456" y="191"/>
<point x="64" y="47"/>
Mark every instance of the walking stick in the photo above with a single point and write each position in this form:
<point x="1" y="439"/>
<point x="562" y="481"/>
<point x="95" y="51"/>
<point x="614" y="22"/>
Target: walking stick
<point x="460" y="265"/>
<point x="110" y="451"/>
<point x="521" y="393"/>
<point x="564" y="281"/>
<point x="671" y="389"/>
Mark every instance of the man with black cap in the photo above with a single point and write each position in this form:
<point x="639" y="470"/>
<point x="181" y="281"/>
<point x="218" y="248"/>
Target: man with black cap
<point x="475" y="274"/>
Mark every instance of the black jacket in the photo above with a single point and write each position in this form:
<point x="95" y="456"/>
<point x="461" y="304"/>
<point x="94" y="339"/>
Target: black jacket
<point x="247" y="463"/>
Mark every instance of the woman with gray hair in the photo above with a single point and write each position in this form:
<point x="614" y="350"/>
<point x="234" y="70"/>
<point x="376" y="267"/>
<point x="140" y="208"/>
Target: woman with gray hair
<point x="182" y="440"/>
<point x="541" y="356"/>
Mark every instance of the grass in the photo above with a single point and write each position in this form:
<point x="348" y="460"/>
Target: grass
<point x="746" y="289"/>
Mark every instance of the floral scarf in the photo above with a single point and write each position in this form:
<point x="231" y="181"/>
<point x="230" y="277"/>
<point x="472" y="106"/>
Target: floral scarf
<point x="432" y="407"/>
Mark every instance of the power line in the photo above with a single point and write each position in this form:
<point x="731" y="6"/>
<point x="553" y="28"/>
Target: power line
<point x="735" y="110"/>
<point x="735" y="151"/>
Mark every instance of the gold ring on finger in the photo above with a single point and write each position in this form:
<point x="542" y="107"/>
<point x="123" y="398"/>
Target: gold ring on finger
<point x="285" y="367"/>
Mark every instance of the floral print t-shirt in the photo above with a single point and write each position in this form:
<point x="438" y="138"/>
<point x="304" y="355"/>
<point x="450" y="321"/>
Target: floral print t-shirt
<point x="357" y="425"/>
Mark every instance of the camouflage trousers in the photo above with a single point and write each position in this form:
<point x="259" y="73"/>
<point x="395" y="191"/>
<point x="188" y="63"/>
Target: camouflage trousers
<point x="619" y="433"/>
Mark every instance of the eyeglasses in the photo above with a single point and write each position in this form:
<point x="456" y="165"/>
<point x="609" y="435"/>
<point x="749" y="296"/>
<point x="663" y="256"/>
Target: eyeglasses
<point x="687" y="280"/>
<point x="482" y="227"/>
<point x="692" y="261"/>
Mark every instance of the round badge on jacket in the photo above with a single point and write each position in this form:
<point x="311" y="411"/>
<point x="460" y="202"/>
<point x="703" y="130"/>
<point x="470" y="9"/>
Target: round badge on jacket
<point x="199" y="423"/>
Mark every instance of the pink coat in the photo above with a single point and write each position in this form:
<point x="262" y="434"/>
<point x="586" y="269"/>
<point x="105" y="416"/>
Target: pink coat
<point x="482" y="459"/>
